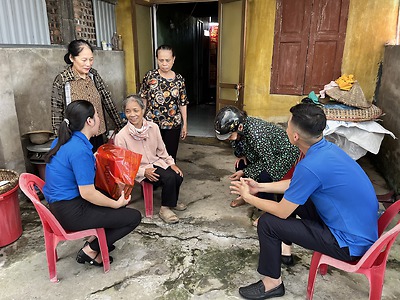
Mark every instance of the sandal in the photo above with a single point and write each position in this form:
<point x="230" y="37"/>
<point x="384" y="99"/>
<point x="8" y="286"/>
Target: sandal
<point x="168" y="216"/>
<point x="82" y="258"/>
<point x="237" y="202"/>
<point x="180" y="207"/>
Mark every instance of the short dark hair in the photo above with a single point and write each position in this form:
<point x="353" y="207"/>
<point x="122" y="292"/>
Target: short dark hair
<point x="74" y="48"/>
<point x="165" y="47"/>
<point x="309" y="118"/>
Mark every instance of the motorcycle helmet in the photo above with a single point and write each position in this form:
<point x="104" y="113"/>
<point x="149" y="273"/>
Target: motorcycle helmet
<point x="227" y="121"/>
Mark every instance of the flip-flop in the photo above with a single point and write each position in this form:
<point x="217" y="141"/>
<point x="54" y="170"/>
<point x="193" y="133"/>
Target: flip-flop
<point x="237" y="203"/>
<point x="168" y="216"/>
<point x="180" y="207"/>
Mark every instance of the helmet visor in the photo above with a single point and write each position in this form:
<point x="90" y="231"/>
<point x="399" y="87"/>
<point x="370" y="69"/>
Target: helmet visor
<point x="223" y="137"/>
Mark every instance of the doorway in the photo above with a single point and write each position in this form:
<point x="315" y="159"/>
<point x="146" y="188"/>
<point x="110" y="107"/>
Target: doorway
<point x="192" y="30"/>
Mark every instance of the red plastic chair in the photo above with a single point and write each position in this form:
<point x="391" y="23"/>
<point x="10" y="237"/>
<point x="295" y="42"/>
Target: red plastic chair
<point x="148" y="198"/>
<point x="53" y="231"/>
<point x="372" y="264"/>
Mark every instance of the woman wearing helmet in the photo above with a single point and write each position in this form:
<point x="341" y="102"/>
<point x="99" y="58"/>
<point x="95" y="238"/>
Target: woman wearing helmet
<point x="263" y="150"/>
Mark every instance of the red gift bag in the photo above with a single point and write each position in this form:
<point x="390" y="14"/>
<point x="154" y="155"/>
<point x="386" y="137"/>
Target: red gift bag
<point x="116" y="169"/>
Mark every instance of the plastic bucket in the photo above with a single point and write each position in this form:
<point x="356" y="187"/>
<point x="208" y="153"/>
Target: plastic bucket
<point x="10" y="217"/>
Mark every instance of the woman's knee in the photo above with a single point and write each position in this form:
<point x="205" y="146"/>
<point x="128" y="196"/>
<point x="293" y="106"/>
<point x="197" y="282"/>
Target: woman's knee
<point x="136" y="217"/>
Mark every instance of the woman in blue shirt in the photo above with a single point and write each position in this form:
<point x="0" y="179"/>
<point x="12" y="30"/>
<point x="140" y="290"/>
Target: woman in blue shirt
<point x="70" y="190"/>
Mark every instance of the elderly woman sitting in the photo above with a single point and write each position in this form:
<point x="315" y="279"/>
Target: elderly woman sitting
<point x="157" y="166"/>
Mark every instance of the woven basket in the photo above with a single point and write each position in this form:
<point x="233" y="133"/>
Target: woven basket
<point x="351" y="114"/>
<point x="355" y="97"/>
<point x="10" y="176"/>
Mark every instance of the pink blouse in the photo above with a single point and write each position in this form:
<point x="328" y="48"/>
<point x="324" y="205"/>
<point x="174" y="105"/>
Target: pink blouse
<point x="152" y="149"/>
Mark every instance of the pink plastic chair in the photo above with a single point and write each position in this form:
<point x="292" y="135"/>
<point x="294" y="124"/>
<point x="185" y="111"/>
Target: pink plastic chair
<point x="53" y="231"/>
<point x="372" y="264"/>
<point x="148" y="198"/>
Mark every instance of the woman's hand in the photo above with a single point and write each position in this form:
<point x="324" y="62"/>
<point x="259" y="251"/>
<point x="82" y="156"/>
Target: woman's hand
<point x="184" y="132"/>
<point x="150" y="174"/>
<point x="237" y="175"/>
<point x="121" y="202"/>
<point x="177" y="170"/>
<point x="239" y="159"/>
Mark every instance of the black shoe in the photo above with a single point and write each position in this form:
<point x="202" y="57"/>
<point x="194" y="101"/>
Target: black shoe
<point x="111" y="248"/>
<point x="287" y="260"/>
<point x="256" y="291"/>
<point x="82" y="258"/>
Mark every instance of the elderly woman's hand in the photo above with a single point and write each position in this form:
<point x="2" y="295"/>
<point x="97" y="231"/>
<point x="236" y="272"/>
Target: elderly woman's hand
<point x="184" y="132"/>
<point x="150" y="174"/>
<point x="177" y="170"/>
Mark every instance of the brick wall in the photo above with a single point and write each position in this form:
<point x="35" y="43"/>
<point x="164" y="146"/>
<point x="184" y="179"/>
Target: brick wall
<point x="84" y="20"/>
<point x="54" y="16"/>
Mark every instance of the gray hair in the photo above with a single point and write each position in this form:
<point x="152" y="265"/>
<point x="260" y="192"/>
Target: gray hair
<point x="136" y="98"/>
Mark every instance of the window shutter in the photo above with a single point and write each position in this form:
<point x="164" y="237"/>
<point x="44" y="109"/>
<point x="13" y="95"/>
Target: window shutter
<point x="326" y="43"/>
<point x="292" y="25"/>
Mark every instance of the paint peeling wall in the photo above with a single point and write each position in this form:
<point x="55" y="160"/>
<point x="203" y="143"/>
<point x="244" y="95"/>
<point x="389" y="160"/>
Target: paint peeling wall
<point x="371" y="24"/>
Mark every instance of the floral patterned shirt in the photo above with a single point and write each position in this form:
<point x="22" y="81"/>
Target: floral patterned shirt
<point x="266" y="147"/>
<point x="164" y="96"/>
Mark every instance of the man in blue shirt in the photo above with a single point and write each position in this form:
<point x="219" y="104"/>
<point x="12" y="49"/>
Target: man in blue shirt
<point x="331" y="194"/>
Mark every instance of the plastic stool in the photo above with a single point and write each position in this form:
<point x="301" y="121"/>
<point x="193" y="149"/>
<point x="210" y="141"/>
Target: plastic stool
<point x="148" y="198"/>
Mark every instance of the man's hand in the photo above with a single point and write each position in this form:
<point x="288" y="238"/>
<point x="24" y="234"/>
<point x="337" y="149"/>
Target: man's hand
<point x="240" y="188"/>
<point x="253" y="185"/>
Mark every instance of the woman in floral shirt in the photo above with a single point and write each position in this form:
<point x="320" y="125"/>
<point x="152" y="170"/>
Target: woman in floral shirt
<point x="263" y="149"/>
<point x="166" y="97"/>
<point x="264" y="154"/>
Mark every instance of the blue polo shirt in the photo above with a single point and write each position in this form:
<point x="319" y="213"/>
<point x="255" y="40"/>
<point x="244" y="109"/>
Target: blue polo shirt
<point x="72" y="166"/>
<point x="341" y="192"/>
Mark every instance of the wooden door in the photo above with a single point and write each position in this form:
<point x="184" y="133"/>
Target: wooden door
<point x="231" y="53"/>
<point x="326" y="43"/>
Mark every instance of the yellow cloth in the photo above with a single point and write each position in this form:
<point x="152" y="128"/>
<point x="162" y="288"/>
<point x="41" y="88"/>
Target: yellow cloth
<point x="345" y="82"/>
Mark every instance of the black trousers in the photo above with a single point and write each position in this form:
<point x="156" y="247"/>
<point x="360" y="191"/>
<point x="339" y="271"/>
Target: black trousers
<point x="310" y="232"/>
<point x="79" y="214"/>
<point x="171" y="184"/>
<point x="171" y="140"/>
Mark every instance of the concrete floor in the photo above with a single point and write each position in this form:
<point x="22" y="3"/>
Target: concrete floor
<point x="208" y="255"/>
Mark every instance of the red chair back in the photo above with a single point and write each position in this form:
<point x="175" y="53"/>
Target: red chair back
<point x="29" y="184"/>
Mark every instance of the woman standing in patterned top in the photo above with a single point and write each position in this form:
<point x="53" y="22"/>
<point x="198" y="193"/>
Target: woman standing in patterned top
<point x="165" y="93"/>
<point x="79" y="81"/>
